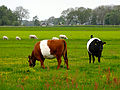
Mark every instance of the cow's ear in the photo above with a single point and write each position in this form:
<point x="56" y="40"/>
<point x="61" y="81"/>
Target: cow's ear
<point x="91" y="36"/>
<point x="104" y="43"/>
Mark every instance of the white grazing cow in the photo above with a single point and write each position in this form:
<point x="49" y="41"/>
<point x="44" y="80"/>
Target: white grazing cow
<point x="63" y="37"/>
<point x="5" y="38"/>
<point x="18" y="38"/>
<point x="55" y="38"/>
<point x="33" y="36"/>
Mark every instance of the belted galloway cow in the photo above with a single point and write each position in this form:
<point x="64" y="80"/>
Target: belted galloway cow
<point x="49" y="49"/>
<point x="95" y="47"/>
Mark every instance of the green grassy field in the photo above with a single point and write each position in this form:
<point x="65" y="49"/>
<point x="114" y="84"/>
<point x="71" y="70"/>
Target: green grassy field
<point x="15" y="73"/>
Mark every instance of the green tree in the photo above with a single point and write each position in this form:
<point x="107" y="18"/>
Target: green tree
<point x="113" y="18"/>
<point x="79" y="15"/>
<point x="7" y="17"/>
<point x="21" y="13"/>
<point x="93" y="19"/>
<point x="84" y="15"/>
<point x="99" y="13"/>
<point x="36" y="21"/>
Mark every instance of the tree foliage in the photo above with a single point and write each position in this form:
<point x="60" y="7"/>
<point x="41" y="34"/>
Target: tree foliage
<point x="7" y="17"/>
<point x="113" y="18"/>
<point x="101" y="15"/>
<point x="21" y="13"/>
<point x="78" y="15"/>
<point x="36" y="21"/>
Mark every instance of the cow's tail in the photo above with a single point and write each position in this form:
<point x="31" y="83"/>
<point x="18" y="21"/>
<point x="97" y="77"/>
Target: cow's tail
<point x="65" y="55"/>
<point x="65" y="51"/>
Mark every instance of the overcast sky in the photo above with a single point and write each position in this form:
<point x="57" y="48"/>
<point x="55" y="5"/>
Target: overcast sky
<point x="47" y="8"/>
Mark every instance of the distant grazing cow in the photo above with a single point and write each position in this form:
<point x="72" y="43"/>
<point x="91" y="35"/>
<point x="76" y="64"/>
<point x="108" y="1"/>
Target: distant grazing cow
<point x="63" y="37"/>
<point x="95" y="47"/>
<point x="33" y="36"/>
<point x="55" y="38"/>
<point x="18" y="38"/>
<point x="5" y="38"/>
<point x="49" y="49"/>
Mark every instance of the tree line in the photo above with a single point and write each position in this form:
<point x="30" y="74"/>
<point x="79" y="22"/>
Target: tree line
<point x="12" y="18"/>
<point x="7" y="17"/>
<point x="102" y="15"/>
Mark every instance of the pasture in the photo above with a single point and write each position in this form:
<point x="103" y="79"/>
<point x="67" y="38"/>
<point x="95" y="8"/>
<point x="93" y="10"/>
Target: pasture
<point x="15" y="73"/>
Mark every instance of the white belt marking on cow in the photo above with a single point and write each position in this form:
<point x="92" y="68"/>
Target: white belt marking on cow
<point x="45" y="50"/>
<point x="89" y="42"/>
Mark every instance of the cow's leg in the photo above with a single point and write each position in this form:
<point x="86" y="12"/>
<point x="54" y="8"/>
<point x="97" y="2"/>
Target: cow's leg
<point x="89" y="57"/>
<point x="42" y="61"/>
<point x="99" y="59"/>
<point x="93" y="58"/>
<point x="42" y="64"/>
<point x="66" y="59"/>
<point x="59" y="61"/>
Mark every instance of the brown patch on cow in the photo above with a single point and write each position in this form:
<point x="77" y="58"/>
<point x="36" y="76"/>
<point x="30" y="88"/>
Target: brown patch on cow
<point x="56" y="47"/>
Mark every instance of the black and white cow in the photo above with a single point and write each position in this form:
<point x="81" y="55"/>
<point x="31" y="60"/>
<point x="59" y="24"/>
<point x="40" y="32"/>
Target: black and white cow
<point x="95" y="47"/>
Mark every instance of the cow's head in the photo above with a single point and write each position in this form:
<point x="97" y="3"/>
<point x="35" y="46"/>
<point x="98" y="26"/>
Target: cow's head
<point x="31" y="61"/>
<point x="100" y="45"/>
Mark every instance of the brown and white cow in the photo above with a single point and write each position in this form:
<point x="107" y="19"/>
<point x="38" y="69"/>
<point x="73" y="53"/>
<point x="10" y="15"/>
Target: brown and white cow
<point x="49" y="49"/>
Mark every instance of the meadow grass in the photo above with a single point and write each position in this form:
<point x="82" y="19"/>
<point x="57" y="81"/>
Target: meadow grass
<point x="15" y="72"/>
<point x="63" y="28"/>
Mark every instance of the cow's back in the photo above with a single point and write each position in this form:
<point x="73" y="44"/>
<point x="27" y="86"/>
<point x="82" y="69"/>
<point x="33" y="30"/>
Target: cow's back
<point x="91" y="46"/>
<point x="56" y="45"/>
<point x="45" y="49"/>
<point x="49" y="48"/>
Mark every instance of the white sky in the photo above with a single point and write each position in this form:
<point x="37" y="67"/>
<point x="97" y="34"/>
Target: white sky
<point x="47" y="8"/>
